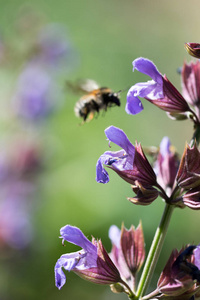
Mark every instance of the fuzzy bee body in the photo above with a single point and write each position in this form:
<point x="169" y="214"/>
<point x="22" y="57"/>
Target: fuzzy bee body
<point x="95" y="101"/>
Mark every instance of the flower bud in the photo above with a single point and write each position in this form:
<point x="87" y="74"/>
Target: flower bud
<point x="179" y="279"/>
<point x="144" y="195"/>
<point x="193" y="49"/>
<point x="188" y="175"/>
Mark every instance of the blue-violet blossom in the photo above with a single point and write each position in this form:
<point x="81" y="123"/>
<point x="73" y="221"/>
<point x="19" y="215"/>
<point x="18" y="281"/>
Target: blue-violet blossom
<point x="119" y="160"/>
<point x="159" y="91"/>
<point x="92" y="262"/>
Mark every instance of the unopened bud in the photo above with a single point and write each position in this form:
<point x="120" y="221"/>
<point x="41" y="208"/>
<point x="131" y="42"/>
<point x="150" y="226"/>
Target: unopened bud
<point x="193" y="49"/>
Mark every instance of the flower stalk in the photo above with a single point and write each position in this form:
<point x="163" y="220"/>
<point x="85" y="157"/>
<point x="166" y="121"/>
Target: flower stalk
<point x="196" y="137"/>
<point x="154" y="252"/>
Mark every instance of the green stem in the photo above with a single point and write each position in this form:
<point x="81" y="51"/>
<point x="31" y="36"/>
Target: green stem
<point x="196" y="136"/>
<point x="154" y="252"/>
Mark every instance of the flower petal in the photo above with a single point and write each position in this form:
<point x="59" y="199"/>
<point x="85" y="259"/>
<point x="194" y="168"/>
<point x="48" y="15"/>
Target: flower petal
<point x="147" y="67"/>
<point x="115" y="235"/>
<point x="60" y="277"/>
<point x="69" y="262"/>
<point x="118" y="160"/>
<point x="133" y="104"/>
<point x="74" y="235"/>
<point x="117" y="136"/>
<point x="108" y="158"/>
<point x="152" y="90"/>
<point x="165" y="146"/>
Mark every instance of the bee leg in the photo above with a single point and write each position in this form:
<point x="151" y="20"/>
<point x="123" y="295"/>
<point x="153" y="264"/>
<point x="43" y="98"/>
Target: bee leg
<point x="90" y="117"/>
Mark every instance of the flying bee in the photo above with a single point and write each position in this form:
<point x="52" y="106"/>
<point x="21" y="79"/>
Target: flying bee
<point x="95" y="100"/>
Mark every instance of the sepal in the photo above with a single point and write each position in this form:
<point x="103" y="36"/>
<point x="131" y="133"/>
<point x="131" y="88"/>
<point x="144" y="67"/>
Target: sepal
<point x="188" y="175"/>
<point x="144" y="195"/>
<point x="105" y="272"/>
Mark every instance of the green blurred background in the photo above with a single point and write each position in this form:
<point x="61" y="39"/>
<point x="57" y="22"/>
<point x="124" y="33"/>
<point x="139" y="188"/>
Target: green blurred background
<point x="107" y="35"/>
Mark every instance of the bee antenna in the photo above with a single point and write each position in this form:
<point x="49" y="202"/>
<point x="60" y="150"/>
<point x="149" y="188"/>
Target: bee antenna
<point x="124" y="90"/>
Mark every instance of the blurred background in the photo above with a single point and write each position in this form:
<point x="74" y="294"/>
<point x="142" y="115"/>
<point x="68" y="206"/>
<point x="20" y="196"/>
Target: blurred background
<point x="47" y="160"/>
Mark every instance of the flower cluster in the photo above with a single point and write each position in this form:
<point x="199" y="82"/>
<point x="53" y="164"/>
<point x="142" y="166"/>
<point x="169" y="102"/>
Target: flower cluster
<point x="35" y="94"/>
<point x="176" y="182"/>
<point x="176" y="179"/>
<point x="93" y="262"/>
<point x="180" y="278"/>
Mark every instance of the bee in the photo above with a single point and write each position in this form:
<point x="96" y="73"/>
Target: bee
<point x="95" y="100"/>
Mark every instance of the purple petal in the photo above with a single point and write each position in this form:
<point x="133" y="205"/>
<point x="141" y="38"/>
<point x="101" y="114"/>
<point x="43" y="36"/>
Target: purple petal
<point x="152" y="90"/>
<point x="60" y="277"/>
<point x="165" y="146"/>
<point x="101" y="174"/>
<point x="133" y="105"/>
<point x="109" y="158"/>
<point x="71" y="261"/>
<point x="74" y="235"/>
<point x="147" y="67"/>
<point x="80" y="260"/>
<point x="115" y="235"/>
<point x="120" y="160"/>
<point x="117" y="136"/>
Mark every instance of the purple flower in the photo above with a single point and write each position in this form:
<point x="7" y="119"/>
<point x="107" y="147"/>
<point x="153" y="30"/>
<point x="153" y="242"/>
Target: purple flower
<point x="91" y="262"/>
<point x="36" y="93"/>
<point x="119" y="160"/>
<point x="153" y="88"/>
<point x="52" y="46"/>
<point x="15" y="208"/>
<point x="130" y="164"/>
<point x="158" y="91"/>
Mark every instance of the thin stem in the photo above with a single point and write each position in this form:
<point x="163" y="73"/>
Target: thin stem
<point x="131" y="295"/>
<point x="196" y="136"/>
<point x="163" y="193"/>
<point x="154" y="252"/>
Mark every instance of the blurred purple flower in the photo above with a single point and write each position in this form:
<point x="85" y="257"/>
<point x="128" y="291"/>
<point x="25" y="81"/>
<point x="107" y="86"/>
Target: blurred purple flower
<point x="52" y="47"/>
<point x="15" y="209"/>
<point x="36" y="94"/>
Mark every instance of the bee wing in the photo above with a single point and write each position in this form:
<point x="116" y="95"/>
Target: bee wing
<point x="88" y="85"/>
<point x="83" y="85"/>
